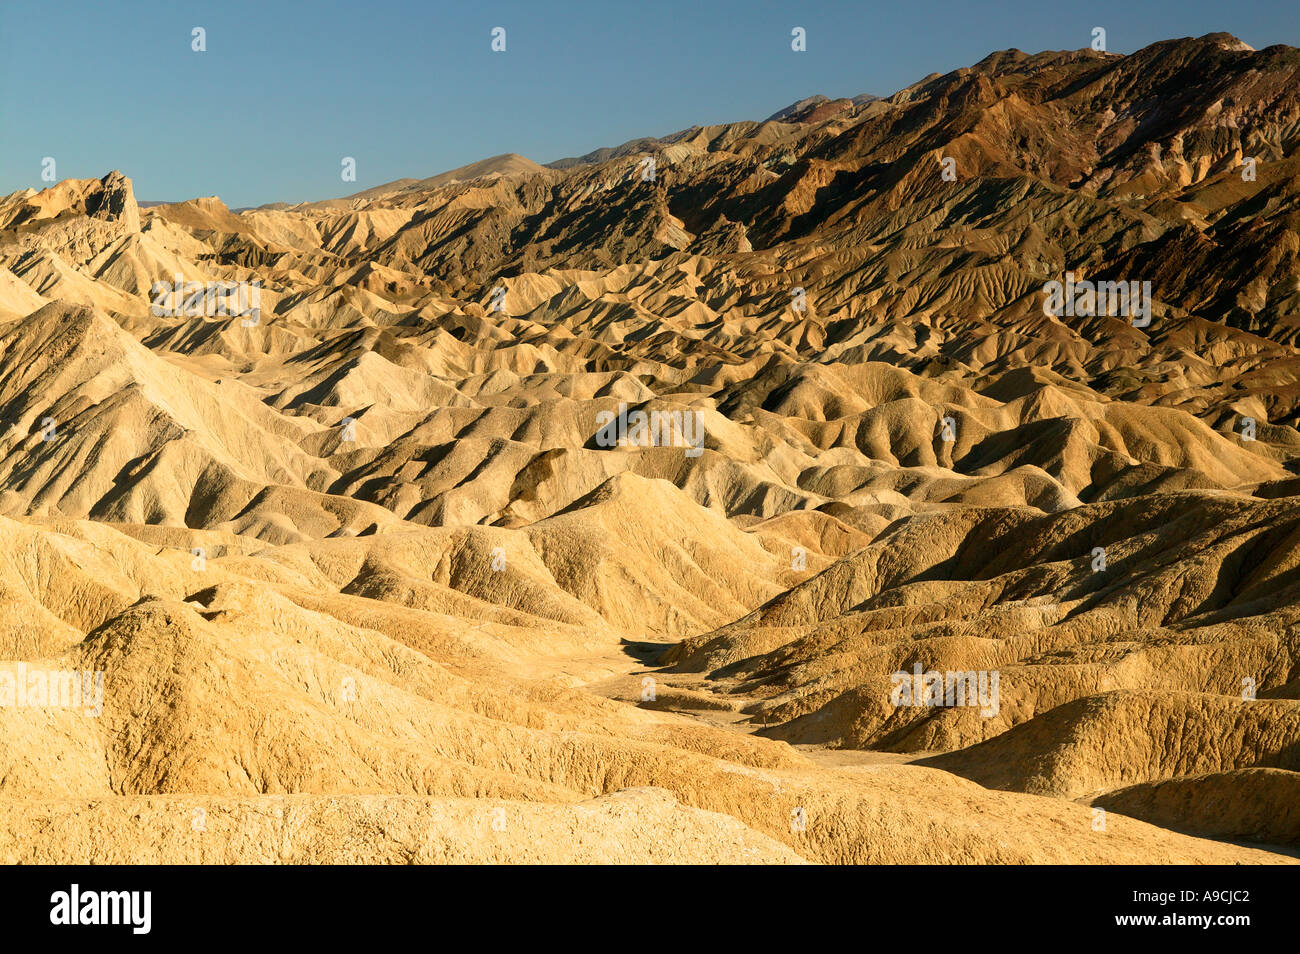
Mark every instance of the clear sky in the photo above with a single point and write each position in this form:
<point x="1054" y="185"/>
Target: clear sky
<point x="285" y="90"/>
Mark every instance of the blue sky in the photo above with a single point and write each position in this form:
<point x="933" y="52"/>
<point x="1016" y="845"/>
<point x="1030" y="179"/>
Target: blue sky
<point x="285" y="90"/>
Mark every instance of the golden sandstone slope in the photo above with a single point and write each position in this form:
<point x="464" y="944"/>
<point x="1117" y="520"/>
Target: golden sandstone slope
<point x="366" y="585"/>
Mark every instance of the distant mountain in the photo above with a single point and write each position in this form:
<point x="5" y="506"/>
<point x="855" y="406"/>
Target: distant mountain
<point x="604" y="154"/>
<point x="812" y="109"/>
<point x="816" y="108"/>
<point x="506" y="164"/>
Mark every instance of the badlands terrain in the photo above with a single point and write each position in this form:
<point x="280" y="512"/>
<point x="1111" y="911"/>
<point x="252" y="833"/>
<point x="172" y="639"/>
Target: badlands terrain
<point x="367" y="580"/>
